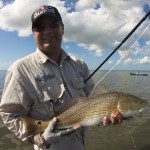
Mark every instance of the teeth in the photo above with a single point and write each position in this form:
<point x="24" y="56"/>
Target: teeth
<point x="46" y="38"/>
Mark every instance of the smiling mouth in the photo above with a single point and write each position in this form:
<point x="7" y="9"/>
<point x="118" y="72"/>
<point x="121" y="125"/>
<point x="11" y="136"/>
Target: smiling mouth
<point x="48" y="39"/>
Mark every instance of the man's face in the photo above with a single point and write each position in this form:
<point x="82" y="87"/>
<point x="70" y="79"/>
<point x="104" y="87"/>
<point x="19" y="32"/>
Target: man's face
<point x="48" y="33"/>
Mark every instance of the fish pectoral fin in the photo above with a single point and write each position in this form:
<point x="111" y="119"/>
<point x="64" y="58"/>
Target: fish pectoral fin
<point x="115" y="113"/>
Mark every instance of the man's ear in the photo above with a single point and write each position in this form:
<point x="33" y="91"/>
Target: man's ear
<point x="32" y="30"/>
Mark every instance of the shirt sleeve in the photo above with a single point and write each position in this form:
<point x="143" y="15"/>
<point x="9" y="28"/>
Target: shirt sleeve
<point x="15" y="102"/>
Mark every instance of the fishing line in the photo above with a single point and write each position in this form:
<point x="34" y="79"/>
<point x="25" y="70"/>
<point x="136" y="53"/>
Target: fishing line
<point x="125" y="54"/>
<point x="123" y="41"/>
<point x="133" y="142"/>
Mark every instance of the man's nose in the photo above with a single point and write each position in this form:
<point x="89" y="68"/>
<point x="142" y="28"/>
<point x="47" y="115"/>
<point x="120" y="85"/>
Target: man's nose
<point x="47" y="28"/>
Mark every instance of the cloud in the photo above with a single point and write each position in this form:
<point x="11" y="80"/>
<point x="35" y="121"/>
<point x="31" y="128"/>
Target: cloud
<point x="1" y="4"/>
<point x="95" y="28"/>
<point x="137" y="50"/>
<point x="128" y="61"/>
<point x="110" y="62"/>
<point x="84" y="4"/>
<point x="98" y="52"/>
<point x="106" y="26"/>
<point x="74" y="56"/>
<point x="16" y="16"/>
<point x="67" y="47"/>
<point x="92" y="48"/>
<point x="145" y="60"/>
<point x="5" y="66"/>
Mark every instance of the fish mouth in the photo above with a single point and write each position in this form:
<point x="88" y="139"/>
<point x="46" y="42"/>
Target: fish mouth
<point x="143" y="110"/>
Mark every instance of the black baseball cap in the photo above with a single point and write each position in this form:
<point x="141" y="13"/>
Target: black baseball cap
<point x="45" y="10"/>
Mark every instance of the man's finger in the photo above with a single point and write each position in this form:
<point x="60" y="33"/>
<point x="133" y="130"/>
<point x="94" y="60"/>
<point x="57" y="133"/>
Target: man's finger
<point x="106" y="120"/>
<point x="119" y="118"/>
<point x="114" y="120"/>
<point x="53" y="124"/>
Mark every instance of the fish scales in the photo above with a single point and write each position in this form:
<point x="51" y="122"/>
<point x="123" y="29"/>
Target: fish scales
<point x="88" y="111"/>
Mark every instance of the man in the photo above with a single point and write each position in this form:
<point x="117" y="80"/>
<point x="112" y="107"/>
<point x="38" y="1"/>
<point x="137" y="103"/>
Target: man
<point x="42" y="84"/>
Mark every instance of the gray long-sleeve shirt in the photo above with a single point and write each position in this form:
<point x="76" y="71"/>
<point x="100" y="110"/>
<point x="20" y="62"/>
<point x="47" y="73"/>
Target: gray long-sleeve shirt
<point x="36" y="86"/>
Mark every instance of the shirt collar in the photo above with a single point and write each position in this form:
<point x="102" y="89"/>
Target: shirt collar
<point x="43" y="58"/>
<point x="64" y="56"/>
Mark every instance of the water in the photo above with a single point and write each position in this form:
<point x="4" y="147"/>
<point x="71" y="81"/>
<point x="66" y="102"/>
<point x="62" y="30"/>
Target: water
<point x="130" y="135"/>
<point x="2" y="77"/>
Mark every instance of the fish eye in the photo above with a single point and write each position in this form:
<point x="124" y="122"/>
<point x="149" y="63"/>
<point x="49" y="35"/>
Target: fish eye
<point x="143" y="102"/>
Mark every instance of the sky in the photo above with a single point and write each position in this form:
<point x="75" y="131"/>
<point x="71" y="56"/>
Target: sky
<point x="93" y="29"/>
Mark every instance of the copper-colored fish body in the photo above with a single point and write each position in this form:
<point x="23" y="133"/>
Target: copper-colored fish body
<point x="89" y="111"/>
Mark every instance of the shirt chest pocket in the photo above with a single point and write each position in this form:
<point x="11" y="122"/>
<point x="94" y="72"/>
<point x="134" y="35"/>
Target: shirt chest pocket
<point x="49" y="89"/>
<point x="78" y="85"/>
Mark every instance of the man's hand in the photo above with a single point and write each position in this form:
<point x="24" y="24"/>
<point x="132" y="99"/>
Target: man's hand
<point x="51" y="134"/>
<point x="115" y="119"/>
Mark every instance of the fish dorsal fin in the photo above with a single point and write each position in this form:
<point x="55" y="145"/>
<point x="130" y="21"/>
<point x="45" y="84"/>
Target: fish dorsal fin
<point x="102" y="89"/>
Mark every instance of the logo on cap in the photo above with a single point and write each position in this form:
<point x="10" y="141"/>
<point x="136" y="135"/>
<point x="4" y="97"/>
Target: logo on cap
<point x="42" y="10"/>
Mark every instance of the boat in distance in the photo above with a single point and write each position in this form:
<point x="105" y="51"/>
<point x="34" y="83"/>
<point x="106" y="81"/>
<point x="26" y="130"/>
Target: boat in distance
<point x="139" y="73"/>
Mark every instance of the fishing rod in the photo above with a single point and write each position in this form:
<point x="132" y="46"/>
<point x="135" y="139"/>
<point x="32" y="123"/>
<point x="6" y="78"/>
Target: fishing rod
<point x="131" y="32"/>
